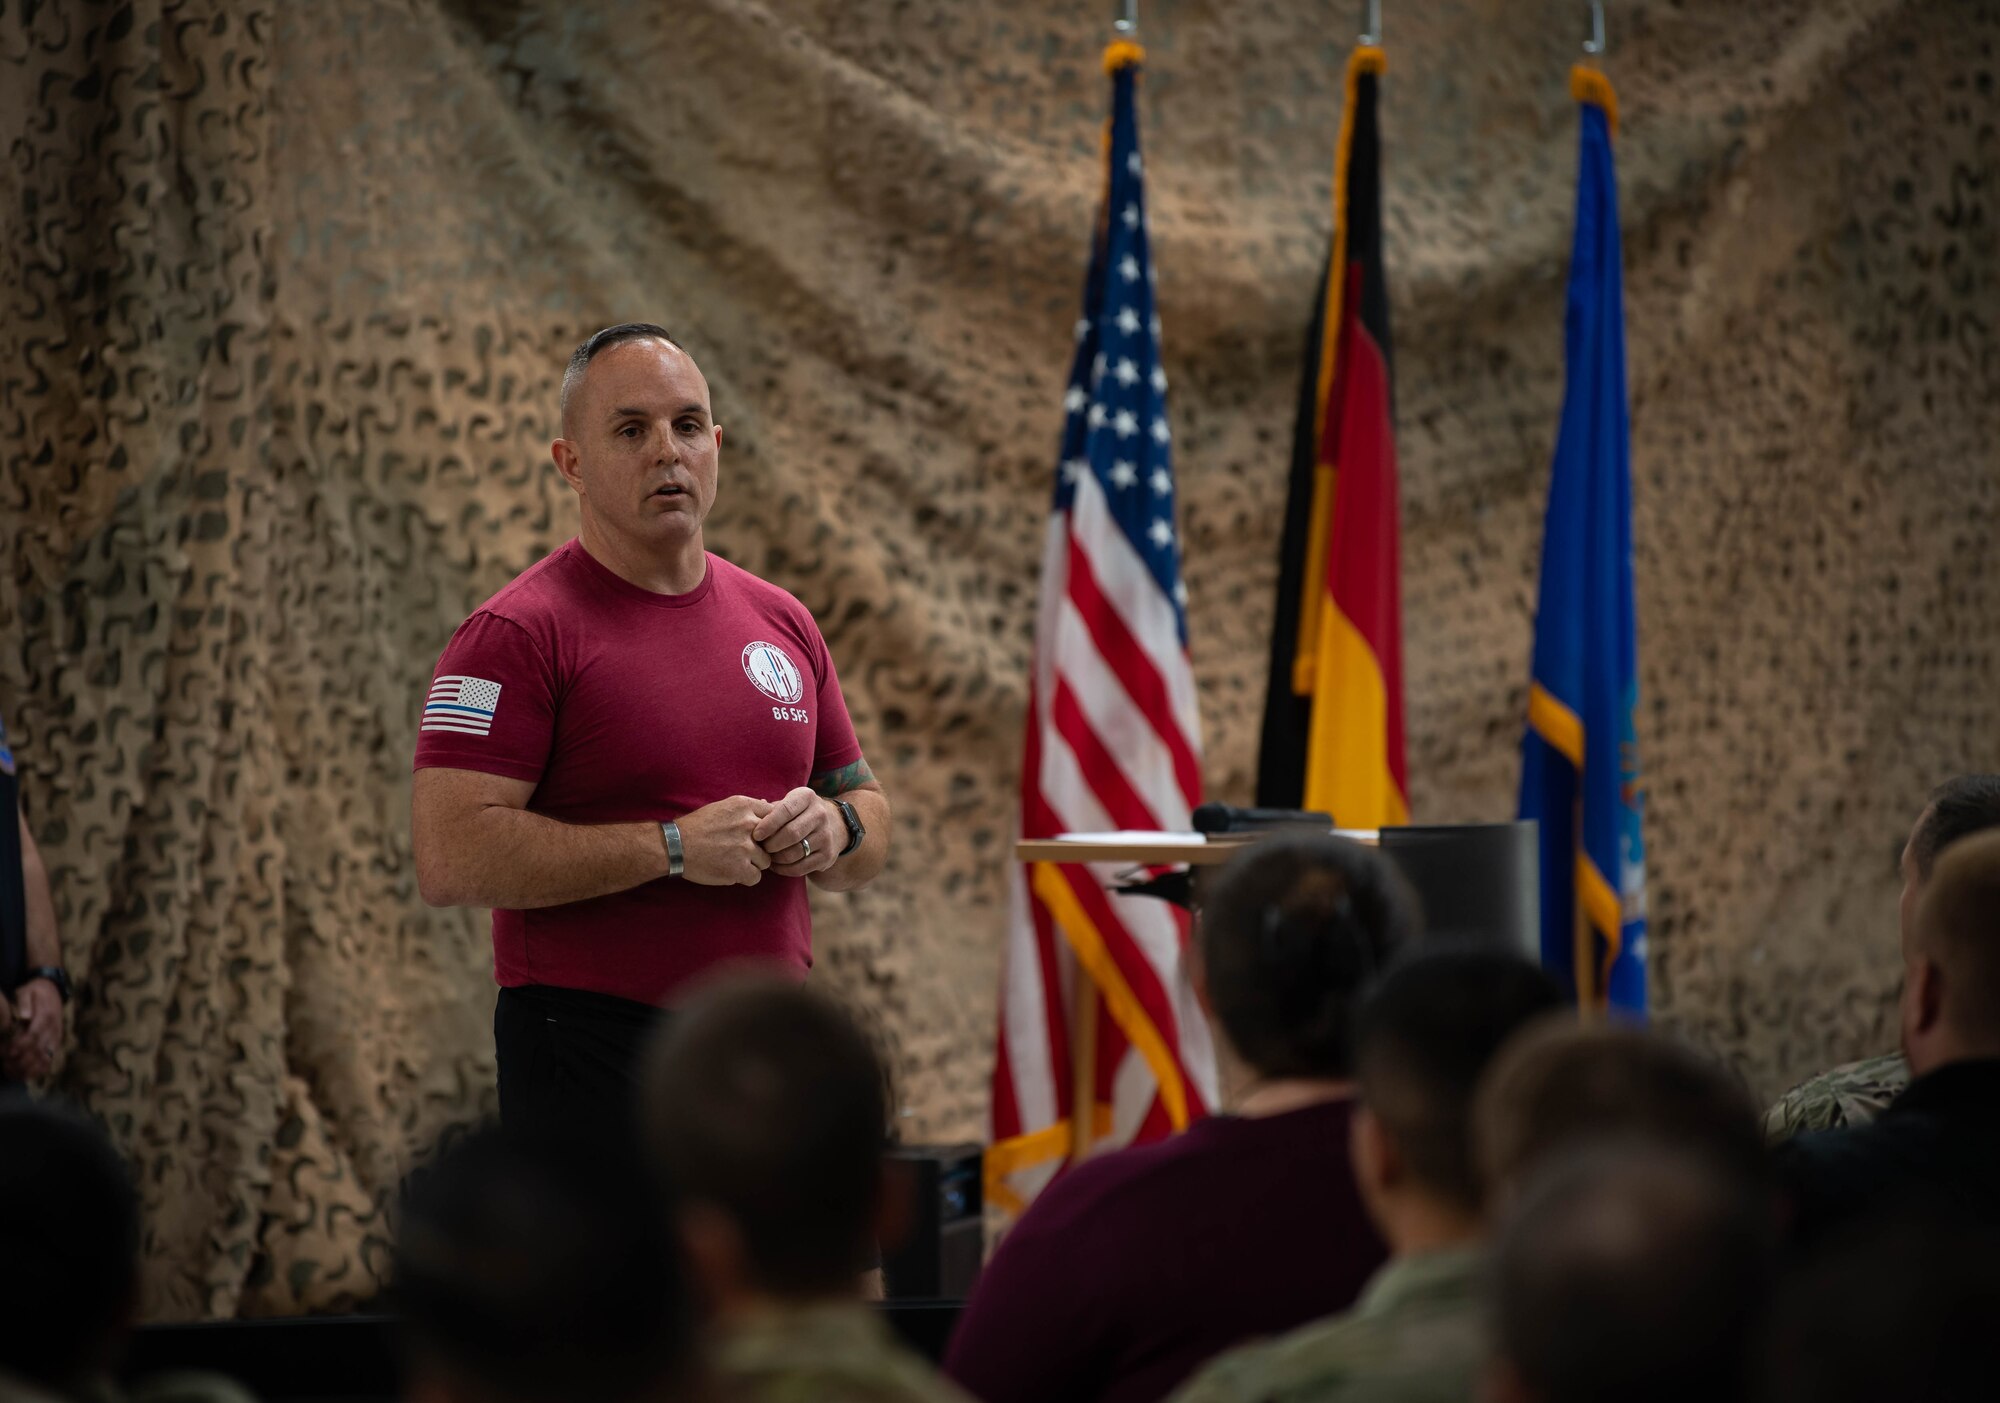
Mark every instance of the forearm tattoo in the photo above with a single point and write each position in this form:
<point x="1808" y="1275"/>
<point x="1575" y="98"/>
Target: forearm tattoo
<point x="832" y="783"/>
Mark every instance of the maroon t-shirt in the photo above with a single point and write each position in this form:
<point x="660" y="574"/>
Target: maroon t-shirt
<point x="1130" y="1271"/>
<point x="621" y="704"/>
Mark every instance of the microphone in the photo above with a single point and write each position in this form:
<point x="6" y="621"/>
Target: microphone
<point x="1175" y="887"/>
<point x="1227" y="818"/>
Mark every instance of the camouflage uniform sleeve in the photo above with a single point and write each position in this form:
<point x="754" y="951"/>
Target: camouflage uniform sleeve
<point x="189" y="1387"/>
<point x="882" y="1381"/>
<point x="1228" y="1378"/>
<point x="1849" y="1095"/>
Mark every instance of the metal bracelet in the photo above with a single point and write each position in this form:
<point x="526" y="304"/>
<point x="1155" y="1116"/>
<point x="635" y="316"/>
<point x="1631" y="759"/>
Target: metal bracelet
<point x="676" y="857"/>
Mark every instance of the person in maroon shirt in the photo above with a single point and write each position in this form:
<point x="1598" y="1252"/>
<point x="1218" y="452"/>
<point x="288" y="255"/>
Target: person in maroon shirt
<point x="634" y="752"/>
<point x="1132" y="1269"/>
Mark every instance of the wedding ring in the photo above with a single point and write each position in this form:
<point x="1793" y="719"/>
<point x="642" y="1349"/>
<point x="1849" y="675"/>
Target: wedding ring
<point x="807" y="844"/>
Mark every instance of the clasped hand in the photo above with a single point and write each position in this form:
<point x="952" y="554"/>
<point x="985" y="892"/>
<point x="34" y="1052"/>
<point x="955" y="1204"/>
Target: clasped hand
<point x="31" y="1031"/>
<point x="735" y="841"/>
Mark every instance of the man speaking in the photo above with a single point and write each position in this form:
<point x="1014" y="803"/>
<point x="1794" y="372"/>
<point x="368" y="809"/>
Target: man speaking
<point x="634" y="751"/>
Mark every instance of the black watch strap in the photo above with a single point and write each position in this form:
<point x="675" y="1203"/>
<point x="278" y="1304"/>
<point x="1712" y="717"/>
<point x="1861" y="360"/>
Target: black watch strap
<point x="856" y="834"/>
<point x="55" y="974"/>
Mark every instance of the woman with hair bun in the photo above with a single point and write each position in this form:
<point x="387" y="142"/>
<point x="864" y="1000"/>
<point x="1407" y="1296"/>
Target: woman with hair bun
<point x="1133" y="1268"/>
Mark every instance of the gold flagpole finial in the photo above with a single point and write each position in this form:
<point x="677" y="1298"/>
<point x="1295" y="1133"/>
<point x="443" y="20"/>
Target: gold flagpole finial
<point x="1123" y="51"/>
<point x="1587" y="82"/>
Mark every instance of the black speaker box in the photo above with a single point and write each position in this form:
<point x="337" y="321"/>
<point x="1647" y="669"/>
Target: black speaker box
<point x="941" y="1253"/>
<point x="1479" y="882"/>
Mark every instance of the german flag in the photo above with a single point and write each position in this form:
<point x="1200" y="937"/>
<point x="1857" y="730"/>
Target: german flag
<point x="1333" y="714"/>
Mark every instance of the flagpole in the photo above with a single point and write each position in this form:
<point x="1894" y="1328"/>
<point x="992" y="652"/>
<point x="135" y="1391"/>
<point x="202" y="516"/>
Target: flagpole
<point x="1579" y="759"/>
<point x="1083" y="1065"/>
<point x="1084" y="993"/>
<point x="1117" y="976"/>
<point x="1593" y="977"/>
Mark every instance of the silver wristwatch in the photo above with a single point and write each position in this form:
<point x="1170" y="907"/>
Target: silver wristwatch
<point x="676" y="857"/>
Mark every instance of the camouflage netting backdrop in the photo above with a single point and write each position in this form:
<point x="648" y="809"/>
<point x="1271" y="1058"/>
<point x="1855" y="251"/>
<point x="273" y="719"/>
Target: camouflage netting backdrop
<point x="285" y="289"/>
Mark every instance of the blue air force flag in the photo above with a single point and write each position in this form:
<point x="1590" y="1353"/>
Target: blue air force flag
<point x="1580" y="759"/>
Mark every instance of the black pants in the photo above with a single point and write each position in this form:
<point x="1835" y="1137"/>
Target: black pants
<point x="569" y="1060"/>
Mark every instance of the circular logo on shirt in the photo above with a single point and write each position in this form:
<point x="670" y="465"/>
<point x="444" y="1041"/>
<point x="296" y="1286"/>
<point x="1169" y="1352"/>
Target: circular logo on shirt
<point x="774" y="674"/>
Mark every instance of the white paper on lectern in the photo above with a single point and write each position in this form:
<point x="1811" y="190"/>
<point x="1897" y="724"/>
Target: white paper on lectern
<point x="1134" y="837"/>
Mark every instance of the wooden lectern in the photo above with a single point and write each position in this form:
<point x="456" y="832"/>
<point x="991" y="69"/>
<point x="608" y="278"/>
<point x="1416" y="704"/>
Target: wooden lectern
<point x="1478" y="882"/>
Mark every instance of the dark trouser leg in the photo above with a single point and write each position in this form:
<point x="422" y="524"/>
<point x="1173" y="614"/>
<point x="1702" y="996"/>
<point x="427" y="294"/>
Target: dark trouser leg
<point x="524" y="1046"/>
<point x="569" y="1061"/>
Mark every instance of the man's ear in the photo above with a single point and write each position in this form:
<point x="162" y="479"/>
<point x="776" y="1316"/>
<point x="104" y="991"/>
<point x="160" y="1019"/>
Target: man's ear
<point x="715" y="1255"/>
<point x="425" y="1381"/>
<point x="1501" y="1382"/>
<point x="1926" y="995"/>
<point x="895" y="1204"/>
<point x="1197" y="972"/>
<point x="564" y="453"/>
<point x="1378" y="1164"/>
<point x="895" y="1217"/>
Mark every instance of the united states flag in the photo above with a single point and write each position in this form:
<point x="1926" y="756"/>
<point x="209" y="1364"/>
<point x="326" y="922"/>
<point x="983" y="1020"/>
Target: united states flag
<point x="1112" y="738"/>
<point x="463" y="704"/>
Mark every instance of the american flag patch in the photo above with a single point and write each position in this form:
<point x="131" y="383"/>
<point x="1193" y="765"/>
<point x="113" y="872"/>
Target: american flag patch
<point x="462" y="704"/>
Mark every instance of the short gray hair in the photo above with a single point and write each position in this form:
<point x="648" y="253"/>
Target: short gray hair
<point x="599" y="342"/>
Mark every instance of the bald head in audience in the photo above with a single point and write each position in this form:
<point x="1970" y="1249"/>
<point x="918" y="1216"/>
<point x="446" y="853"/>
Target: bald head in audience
<point x="765" y="1105"/>
<point x="529" y="1270"/>
<point x="1629" y="1272"/>
<point x="1951" y="993"/>
<point x="1957" y="809"/>
<point x="1561" y="1085"/>
<point x="69" y="1236"/>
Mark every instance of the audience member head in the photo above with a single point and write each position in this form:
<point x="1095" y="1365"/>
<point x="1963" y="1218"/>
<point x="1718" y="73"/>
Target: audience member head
<point x="1951" y="992"/>
<point x="1423" y="1038"/>
<point x="1292" y="932"/>
<point x="536" y="1270"/>
<point x="1629" y="1272"/>
<point x="1560" y="1086"/>
<point x="765" y="1107"/>
<point x="69" y="1242"/>
<point x="1903" y="1307"/>
<point x="1958" y="808"/>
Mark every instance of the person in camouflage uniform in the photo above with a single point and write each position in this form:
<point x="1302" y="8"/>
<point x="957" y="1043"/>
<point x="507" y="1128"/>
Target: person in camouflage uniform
<point x="1416" y="1335"/>
<point x="1937" y="1149"/>
<point x="835" y="1352"/>
<point x="1855" y="1093"/>
<point x="764" y="1107"/>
